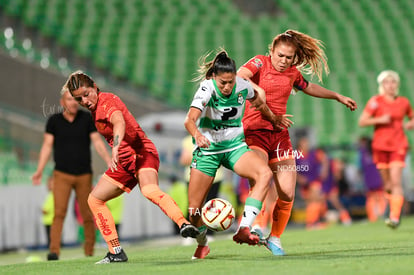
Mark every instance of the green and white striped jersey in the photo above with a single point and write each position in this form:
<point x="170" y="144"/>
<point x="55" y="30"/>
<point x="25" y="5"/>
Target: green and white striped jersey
<point x="221" y="116"/>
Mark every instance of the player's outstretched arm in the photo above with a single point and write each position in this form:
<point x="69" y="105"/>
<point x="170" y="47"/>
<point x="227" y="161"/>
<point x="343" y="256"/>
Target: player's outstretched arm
<point x="316" y="90"/>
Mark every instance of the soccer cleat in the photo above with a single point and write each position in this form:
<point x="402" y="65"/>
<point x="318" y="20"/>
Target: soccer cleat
<point x="392" y="223"/>
<point x="189" y="230"/>
<point x="201" y="252"/>
<point x="256" y="230"/>
<point x="113" y="258"/>
<point x="52" y="256"/>
<point x="243" y="235"/>
<point x="275" y="246"/>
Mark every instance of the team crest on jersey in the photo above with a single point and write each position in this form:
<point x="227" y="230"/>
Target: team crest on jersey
<point x="258" y="63"/>
<point x="373" y="104"/>
<point x="240" y="99"/>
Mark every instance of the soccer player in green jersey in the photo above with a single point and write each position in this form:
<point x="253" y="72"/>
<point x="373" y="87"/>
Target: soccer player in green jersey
<point x="214" y="120"/>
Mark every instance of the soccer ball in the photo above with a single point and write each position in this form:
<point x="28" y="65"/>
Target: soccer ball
<point x="218" y="214"/>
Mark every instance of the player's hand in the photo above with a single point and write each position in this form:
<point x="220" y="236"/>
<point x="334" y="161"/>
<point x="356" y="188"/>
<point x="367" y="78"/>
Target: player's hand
<point x="384" y="119"/>
<point x="409" y="125"/>
<point x="281" y="122"/>
<point x="37" y="178"/>
<point x="202" y="141"/>
<point x="348" y="102"/>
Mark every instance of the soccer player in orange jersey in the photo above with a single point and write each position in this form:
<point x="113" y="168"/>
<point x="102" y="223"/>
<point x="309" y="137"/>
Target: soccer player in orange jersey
<point x="277" y="74"/>
<point x="386" y="112"/>
<point x="134" y="161"/>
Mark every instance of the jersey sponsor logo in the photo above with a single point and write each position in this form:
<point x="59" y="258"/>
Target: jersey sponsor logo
<point x="228" y="113"/>
<point x="257" y="63"/>
<point x="103" y="225"/>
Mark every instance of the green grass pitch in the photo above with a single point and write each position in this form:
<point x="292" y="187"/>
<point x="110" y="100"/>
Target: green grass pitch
<point x="363" y="248"/>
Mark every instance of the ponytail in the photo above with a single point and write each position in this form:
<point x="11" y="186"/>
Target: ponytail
<point x="221" y="63"/>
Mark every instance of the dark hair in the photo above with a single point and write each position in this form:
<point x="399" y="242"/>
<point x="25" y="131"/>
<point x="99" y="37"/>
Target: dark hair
<point x="221" y="63"/>
<point x="78" y="79"/>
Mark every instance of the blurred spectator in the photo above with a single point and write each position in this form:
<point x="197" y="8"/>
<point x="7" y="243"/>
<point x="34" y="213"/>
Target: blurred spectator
<point x="48" y="209"/>
<point x="375" y="198"/>
<point x="69" y="134"/>
<point x="318" y="185"/>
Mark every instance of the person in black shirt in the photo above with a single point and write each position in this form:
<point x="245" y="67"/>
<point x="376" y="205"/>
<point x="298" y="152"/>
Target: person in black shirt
<point x="69" y="133"/>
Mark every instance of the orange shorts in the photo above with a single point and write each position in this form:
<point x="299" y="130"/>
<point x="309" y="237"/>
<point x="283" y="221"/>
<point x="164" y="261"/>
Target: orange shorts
<point x="277" y="145"/>
<point x="128" y="167"/>
<point x="385" y="159"/>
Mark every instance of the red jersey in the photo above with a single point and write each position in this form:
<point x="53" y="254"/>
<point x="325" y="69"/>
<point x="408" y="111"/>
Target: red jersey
<point x="277" y="85"/>
<point x="134" y="140"/>
<point x="389" y="137"/>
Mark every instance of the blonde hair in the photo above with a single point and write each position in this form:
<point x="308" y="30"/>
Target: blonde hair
<point x="310" y="57"/>
<point x="385" y="74"/>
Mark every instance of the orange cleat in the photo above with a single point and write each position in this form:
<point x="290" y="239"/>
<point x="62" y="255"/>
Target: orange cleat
<point x="201" y="252"/>
<point x="243" y="235"/>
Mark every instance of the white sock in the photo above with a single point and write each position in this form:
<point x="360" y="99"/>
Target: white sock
<point x="249" y="215"/>
<point x="202" y="237"/>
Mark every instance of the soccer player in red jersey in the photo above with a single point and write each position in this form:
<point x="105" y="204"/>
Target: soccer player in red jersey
<point x="134" y="161"/>
<point x="277" y="74"/>
<point x="386" y="112"/>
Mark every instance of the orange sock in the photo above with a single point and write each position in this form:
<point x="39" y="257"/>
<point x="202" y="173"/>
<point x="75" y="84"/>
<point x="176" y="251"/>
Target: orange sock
<point x="281" y="215"/>
<point x="164" y="202"/>
<point x="313" y="211"/>
<point x="396" y="203"/>
<point x="370" y="207"/>
<point x="381" y="202"/>
<point x="105" y="223"/>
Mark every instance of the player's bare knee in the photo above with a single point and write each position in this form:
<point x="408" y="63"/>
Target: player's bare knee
<point x="265" y="174"/>
<point x="93" y="202"/>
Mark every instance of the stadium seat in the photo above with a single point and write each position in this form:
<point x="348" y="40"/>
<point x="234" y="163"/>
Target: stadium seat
<point x="157" y="43"/>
